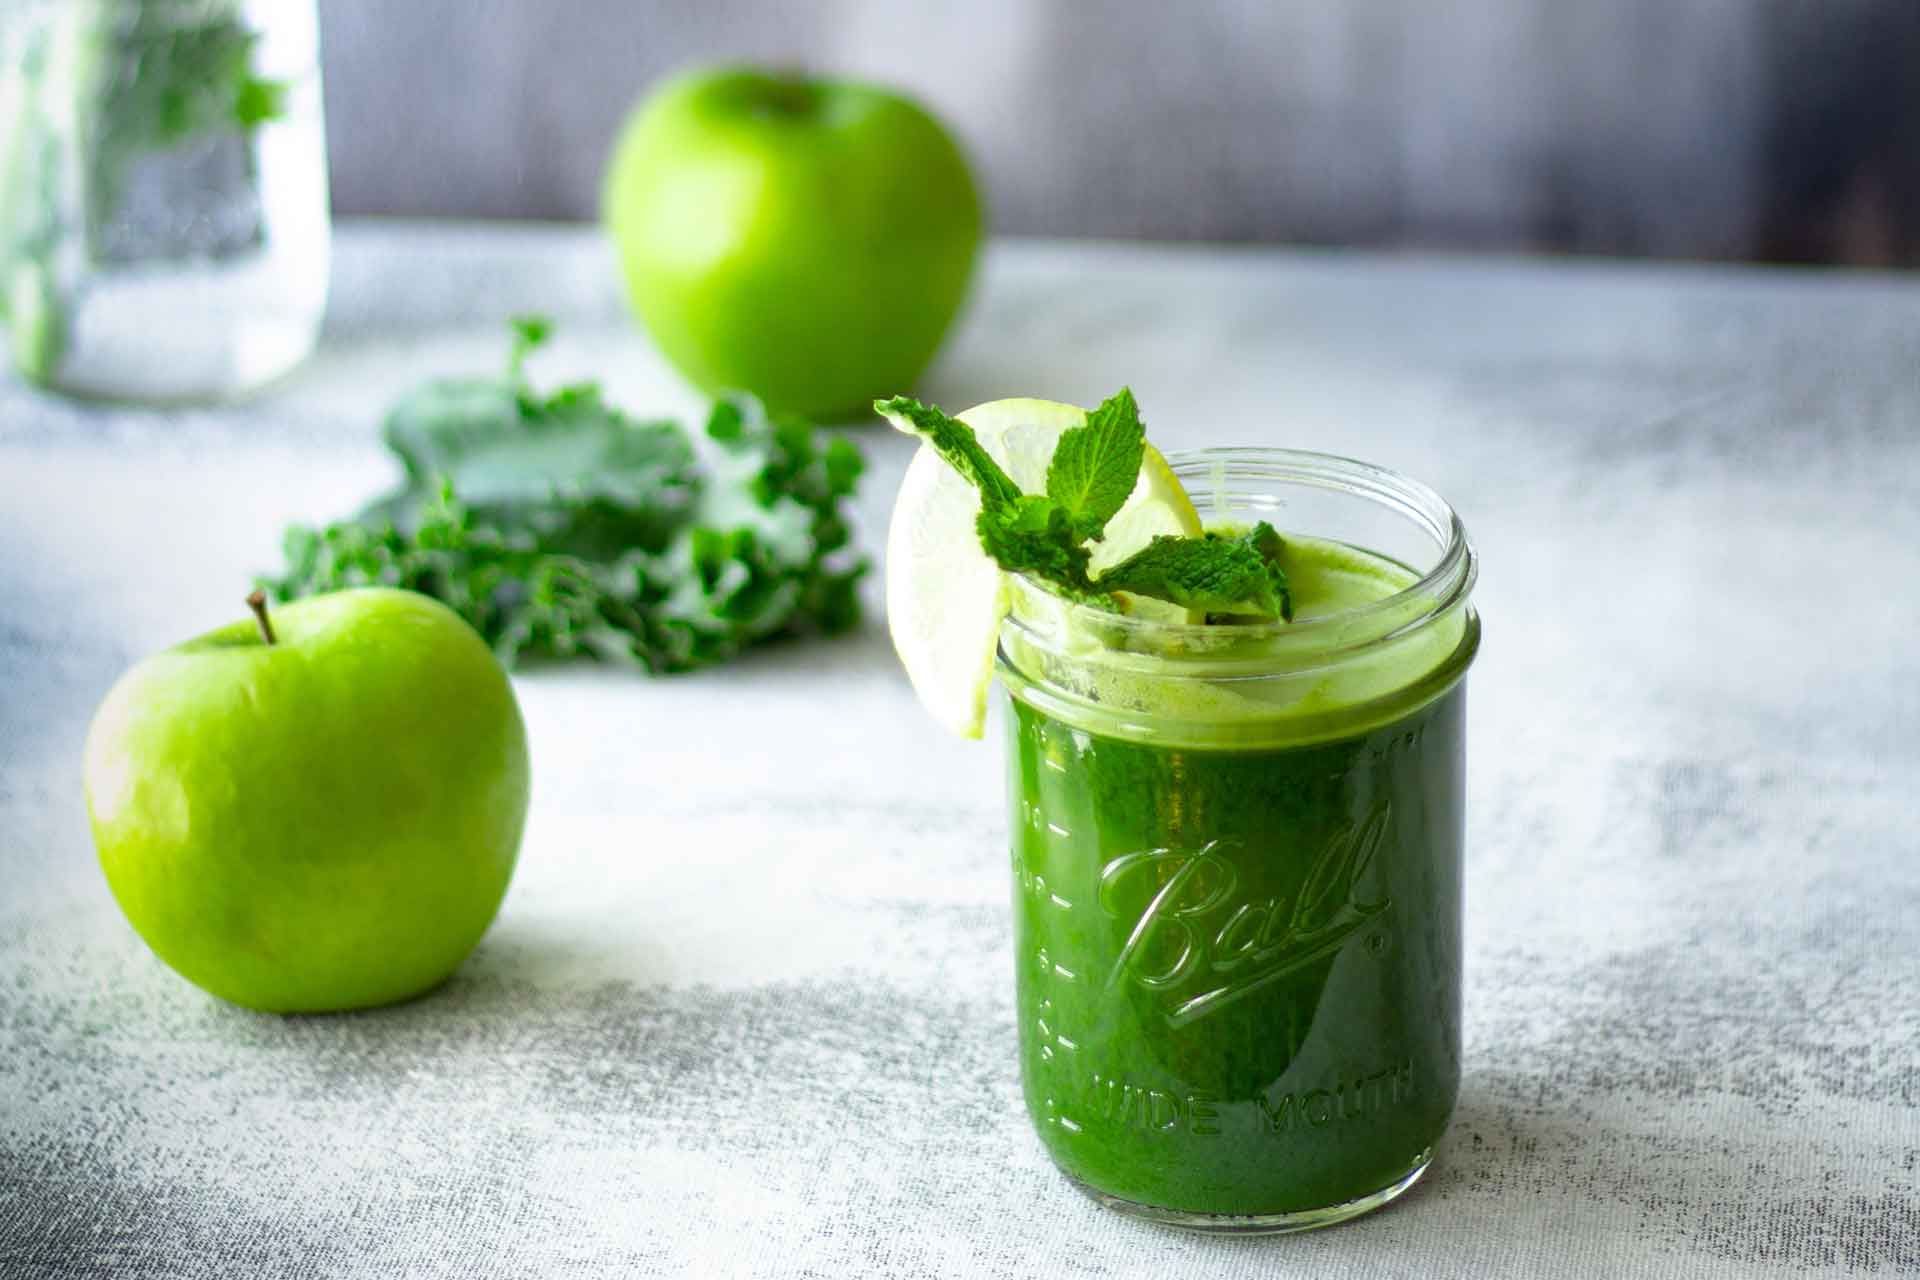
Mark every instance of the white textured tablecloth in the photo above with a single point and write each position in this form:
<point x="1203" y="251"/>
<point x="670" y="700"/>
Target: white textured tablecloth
<point x="747" y="1009"/>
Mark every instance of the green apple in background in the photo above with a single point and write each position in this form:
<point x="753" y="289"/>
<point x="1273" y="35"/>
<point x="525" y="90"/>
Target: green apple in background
<point x="327" y="820"/>
<point x="807" y="240"/>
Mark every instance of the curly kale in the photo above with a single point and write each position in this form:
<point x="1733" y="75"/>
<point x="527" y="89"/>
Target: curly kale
<point x="558" y="526"/>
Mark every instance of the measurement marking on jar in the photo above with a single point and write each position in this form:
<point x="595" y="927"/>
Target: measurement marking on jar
<point x="1044" y="962"/>
<point x="1037" y="886"/>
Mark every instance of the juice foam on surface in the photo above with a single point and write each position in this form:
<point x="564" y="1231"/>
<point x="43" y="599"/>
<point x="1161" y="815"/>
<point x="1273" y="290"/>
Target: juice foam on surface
<point x="1331" y="577"/>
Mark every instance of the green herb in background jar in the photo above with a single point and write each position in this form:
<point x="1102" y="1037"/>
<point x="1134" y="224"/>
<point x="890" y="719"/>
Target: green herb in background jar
<point x="163" y="204"/>
<point x="179" y="103"/>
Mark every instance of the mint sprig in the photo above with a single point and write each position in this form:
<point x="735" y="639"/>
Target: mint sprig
<point x="1213" y="573"/>
<point x="1092" y="473"/>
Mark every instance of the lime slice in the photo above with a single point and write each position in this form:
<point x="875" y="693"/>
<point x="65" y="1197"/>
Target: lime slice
<point x="945" y="598"/>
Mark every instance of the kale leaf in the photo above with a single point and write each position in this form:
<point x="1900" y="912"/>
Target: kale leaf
<point x="559" y="526"/>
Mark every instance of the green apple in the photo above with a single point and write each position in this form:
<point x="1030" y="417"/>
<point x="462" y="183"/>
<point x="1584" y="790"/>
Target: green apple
<point x="809" y="241"/>
<point x="316" y="811"/>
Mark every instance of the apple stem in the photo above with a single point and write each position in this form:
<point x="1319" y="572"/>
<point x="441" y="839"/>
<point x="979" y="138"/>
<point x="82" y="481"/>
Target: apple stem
<point x="257" y="602"/>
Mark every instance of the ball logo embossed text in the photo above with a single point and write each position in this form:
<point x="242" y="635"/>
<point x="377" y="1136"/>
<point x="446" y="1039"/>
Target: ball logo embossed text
<point x="1202" y="944"/>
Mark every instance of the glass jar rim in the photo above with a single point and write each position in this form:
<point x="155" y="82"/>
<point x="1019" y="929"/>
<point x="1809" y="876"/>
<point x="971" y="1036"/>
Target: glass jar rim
<point x="1134" y="677"/>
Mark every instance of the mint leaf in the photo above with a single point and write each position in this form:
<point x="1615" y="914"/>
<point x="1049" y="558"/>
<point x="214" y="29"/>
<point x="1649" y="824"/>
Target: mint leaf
<point x="558" y="526"/>
<point x="1035" y="536"/>
<point x="954" y="440"/>
<point x="1096" y="466"/>
<point x="1224" y="575"/>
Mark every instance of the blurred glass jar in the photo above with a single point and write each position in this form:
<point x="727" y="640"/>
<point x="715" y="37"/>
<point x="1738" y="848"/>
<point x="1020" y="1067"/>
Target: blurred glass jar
<point x="163" y="194"/>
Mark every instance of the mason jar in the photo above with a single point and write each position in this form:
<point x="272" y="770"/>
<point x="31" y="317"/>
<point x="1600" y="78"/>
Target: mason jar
<point x="163" y="194"/>
<point x="1237" y="861"/>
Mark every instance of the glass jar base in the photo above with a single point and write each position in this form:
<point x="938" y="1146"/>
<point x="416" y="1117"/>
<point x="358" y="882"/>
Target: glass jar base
<point x="1258" y="1224"/>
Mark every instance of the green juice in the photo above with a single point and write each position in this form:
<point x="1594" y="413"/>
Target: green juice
<point x="1237" y="903"/>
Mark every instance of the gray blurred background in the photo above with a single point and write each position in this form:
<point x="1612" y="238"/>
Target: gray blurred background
<point x="1784" y="130"/>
